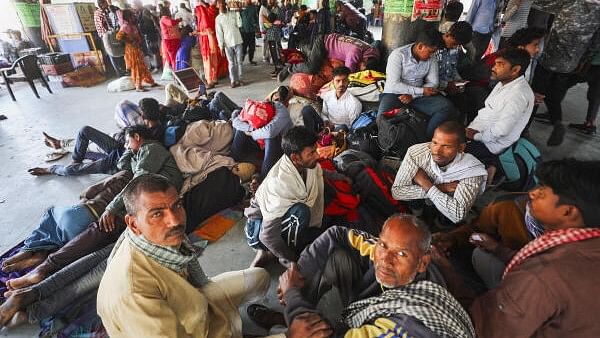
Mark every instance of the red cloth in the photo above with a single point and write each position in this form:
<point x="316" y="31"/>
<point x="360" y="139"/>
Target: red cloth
<point x="550" y="240"/>
<point x="171" y="39"/>
<point x="215" y="65"/>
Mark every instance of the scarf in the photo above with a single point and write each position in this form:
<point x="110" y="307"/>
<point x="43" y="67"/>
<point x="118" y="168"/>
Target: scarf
<point x="425" y="301"/>
<point x="463" y="166"/>
<point x="549" y="240"/>
<point x="284" y="187"/>
<point x="186" y="258"/>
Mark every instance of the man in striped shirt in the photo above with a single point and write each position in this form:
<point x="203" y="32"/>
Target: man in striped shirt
<point x="441" y="172"/>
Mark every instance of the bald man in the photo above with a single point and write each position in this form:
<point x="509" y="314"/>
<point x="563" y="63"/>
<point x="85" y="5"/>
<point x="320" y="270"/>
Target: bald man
<point x="377" y="279"/>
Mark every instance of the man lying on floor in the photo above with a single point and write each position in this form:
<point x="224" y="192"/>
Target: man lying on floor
<point x="442" y="173"/>
<point x="60" y="225"/>
<point x="387" y="285"/>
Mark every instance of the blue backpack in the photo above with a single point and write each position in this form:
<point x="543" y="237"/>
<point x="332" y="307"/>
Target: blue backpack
<point x="364" y="119"/>
<point x="519" y="162"/>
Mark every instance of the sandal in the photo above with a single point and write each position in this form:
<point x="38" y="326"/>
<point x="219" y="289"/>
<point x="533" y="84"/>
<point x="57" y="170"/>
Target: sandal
<point x="265" y="317"/>
<point x="55" y="155"/>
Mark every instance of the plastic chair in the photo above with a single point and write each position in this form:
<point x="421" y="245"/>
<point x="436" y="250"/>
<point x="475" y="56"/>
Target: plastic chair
<point x="30" y="71"/>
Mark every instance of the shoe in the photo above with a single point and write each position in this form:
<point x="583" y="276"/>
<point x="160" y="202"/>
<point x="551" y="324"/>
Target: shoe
<point x="557" y="136"/>
<point x="234" y="85"/>
<point x="253" y="63"/>
<point x="283" y="74"/>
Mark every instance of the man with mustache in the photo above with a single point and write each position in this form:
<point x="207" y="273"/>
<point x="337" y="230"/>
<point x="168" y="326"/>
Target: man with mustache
<point x="441" y="172"/>
<point x="381" y="281"/>
<point x="154" y="285"/>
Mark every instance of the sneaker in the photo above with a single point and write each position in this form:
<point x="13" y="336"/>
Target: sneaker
<point x="557" y="136"/>
<point x="283" y="74"/>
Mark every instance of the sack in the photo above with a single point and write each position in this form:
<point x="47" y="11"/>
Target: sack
<point x="351" y="161"/>
<point x="113" y="47"/>
<point x="331" y="144"/>
<point x="519" y="163"/>
<point x="306" y="85"/>
<point x="121" y="84"/>
<point x="257" y="113"/>
<point x="400" y="131"/>
<point x="365" y="139"/>
<point x="85" y="76"/>
<point x="364" y="119"/>
<point x="167" y="74"/>
<point x="374" y="188"/>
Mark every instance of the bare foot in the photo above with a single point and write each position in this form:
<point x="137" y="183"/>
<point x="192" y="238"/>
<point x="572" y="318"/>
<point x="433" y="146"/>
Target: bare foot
<point x="262" y="258"/>
<point x="34" y="259"/>
<point x="31" y="278"/>
<point x="16" y="258"/>
<point x="51" y="141"/>
<point x="18" y="319"/>
<point x="39" y="171"/>
<point x="15" y="304"/>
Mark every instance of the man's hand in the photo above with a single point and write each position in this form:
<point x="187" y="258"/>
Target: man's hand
<point x="106" y="222"/>
<point x="430" y="91"/>
<point x="448" y="188"/>
<point x="440" y="259"/>
<point x="291" y="278"/>
<point x="471" y="133"/>
<point x="451" y="88"/>
<point x="483" y="241"/>
<point x="538" y="98"/>
<point x="405" y="98"/>
<point x="309" y="325"/>
<point x="423" y="180"/>
<point x="443" y="241"/>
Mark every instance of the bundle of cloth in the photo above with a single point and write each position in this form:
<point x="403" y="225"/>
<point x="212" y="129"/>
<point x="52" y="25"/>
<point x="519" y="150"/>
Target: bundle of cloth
<point x="308" y="85"/>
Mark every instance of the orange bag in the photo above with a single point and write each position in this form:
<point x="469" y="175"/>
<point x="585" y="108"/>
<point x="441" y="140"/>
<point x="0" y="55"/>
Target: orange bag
<point x="257" y="113"/>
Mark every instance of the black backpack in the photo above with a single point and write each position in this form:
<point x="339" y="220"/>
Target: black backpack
<point x="398" y="132"/>
<point x="365" y="139"/>
<point x="351" y="161"/>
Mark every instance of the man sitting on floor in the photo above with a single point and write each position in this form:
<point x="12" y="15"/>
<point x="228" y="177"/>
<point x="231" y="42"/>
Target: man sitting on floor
<point x="286" y="212"/>
<point x="270" y="134"/>
<point x="378" y="280"/>
<point x="507" y="110"/>
<point x="340" y="107"/>
<point x="442" y="173"/>
<point x="143" y="156"/>
<point x="169" y="294"/>
<point x="60" y="225"/>
<point x="412" y="79"/>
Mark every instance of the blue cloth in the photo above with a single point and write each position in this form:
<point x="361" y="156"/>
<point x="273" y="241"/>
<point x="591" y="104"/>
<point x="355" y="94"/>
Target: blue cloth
<point x="407" y="75"/>
<point x="58" y="226"/>
<point x="481" y="15"/>
<point x="182" y="59"/>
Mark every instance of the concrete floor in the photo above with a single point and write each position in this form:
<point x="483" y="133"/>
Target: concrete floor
<point x="23" y="198"/>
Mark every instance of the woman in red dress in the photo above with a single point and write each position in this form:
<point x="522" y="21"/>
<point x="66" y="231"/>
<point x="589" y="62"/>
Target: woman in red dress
<point x="215" y="65"/>
<point x="171" y="36"/>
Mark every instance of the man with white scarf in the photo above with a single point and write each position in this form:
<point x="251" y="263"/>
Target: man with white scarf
<point x="442" y="172"/>
<point x="286" y="212"/>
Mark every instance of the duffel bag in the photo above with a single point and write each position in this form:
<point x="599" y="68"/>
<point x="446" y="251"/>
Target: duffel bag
<point x="398" y="132"/>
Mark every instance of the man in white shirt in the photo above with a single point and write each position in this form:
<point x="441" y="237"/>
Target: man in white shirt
<point x="441" y="172"/>
<point x="227" y="25"/>
<point x="340" y="107"/>
<point x="507" y="110"/>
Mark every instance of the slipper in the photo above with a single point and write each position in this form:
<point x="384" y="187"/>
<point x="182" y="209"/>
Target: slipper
<point x="264" y="317"/>
<point x="56" y="155"/>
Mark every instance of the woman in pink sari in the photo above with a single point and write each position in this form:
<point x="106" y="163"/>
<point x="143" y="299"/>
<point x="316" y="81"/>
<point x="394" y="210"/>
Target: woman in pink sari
<point x="215" y="65"/>
<point x="171" y="36"/>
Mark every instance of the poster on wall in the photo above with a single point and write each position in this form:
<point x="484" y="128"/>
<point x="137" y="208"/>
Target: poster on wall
<point x="28" y="13"/>
<point x="85" y="11"/>
<point x="428" y="10"/>
<point x="402" y="7"/>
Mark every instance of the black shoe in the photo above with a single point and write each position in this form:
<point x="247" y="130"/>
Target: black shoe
<point x="557" y="136"/>
<point x="283" y="74"/>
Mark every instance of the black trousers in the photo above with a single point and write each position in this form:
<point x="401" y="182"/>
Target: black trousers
<point x="249" y="45"/>
<point x="554" y="86"/>
<point x="480" y="43"/>
<point x="483" y="154"/>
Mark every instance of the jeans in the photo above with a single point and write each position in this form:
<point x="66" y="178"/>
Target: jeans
<point x="275" y="51"/>
<point x="71" y="283"/>
<point x="273" y="152"/>
<point x="480" y="43"/>
<point x="235" y="57"/>
<point x="249" y="45"/>
<point x="58" y="226"/>
<point x="438" y="108"/>
<point x="106" y="164"/>
<point x="312" y="119"/>
<point x="266" y="53"/>
<point x="295" y="229"/>
<point x="221" y="107"/>
<point x="483" y="154"/>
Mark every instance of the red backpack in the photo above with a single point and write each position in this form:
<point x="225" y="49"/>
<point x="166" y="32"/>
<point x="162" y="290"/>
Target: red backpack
<point x="340" y="200"/>
<point x="257" y="113"/>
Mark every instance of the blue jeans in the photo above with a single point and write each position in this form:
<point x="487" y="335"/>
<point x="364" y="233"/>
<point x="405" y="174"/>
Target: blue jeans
<point x="221" y="107"/>
<point x="71" y="283"/>
<point x="295" y="229"/>
<point x="438" y="108"/>
<point x="273" y="152"/>
<point x="103" y="163"/>
<point x="58" y="226"/>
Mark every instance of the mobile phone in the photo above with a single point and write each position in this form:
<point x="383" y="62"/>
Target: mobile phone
<point x="476" y="238"/>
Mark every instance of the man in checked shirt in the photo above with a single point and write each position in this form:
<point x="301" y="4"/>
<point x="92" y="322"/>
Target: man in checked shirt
<point x="441" y="173"/>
